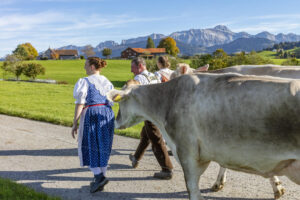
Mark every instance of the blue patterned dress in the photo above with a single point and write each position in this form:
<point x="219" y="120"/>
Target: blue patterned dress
<point x="95" y="141"/>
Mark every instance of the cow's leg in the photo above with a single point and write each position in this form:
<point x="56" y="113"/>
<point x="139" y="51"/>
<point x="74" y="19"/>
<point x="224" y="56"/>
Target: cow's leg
<point x="293" y="172"/>
<point x="277" y="187"/>
<point x="193" y="168"/>
<point x="219" y="184"/>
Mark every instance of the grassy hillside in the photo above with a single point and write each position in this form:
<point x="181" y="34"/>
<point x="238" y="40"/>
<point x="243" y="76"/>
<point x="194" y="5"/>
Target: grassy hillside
<point x="118" y="71"/>
<point x="54" y="102"/>
<point x="272" y="56"/>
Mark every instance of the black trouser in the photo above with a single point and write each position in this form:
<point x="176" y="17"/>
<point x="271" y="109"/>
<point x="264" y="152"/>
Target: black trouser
<point x="150" y="133"/>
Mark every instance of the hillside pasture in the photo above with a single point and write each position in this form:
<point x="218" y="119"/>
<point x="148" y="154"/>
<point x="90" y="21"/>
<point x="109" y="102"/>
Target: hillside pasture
<point x="54" y="103"/>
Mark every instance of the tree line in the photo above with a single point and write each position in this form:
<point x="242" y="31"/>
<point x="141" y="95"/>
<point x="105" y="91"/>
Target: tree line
<point x="220" y="59"/>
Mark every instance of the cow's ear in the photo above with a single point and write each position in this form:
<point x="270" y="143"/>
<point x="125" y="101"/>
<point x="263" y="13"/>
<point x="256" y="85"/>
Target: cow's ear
<point x="183" y="69"/>
<point x="116" y="95"/>
<point x="203" y="68"/>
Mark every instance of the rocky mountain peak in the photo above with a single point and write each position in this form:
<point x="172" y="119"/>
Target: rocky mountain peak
<point x="222" y="28"/>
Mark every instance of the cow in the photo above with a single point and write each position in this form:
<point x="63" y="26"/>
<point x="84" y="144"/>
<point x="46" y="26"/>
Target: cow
<point x="259" y="70"/>
<point x="235" y="120"/>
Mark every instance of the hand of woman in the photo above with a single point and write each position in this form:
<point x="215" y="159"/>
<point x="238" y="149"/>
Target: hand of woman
<point x="74" y="130"/>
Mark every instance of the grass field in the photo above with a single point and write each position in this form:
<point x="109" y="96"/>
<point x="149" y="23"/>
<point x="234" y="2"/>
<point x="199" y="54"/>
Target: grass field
<point x="54" y="102"/>
<point x="12" y="191"/>
<point x="272" y="56"/>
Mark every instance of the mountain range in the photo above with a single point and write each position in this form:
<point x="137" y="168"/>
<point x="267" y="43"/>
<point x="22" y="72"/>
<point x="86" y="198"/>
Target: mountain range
<point x="196" y="41"/>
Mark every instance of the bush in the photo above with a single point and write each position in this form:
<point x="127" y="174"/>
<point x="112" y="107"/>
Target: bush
<point x="44" y="58"/>
<point x="291" y="62"/>
<point x="31" y="70"/>
<point x="82" y="57"/>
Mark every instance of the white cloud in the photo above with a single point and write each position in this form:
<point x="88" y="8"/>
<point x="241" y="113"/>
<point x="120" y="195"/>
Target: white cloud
<point x="60" y="28"/>
<point x="278" y="16"/>
<point x="272" y="27"/>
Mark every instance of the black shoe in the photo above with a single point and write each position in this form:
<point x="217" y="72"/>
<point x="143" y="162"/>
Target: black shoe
<point x="134" y="162"/>
<point x="98" y="183"/>
<point x="164" y="174"/>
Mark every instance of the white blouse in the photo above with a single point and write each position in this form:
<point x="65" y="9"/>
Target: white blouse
<point x="102" y="84"/>
<point x="166" y="72"/>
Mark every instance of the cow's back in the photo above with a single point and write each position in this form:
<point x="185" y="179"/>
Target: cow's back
<point x="263" y="70"/>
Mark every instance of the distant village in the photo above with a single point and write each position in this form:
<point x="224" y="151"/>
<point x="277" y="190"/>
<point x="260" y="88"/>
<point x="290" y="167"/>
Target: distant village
<point x="129" y="53"/>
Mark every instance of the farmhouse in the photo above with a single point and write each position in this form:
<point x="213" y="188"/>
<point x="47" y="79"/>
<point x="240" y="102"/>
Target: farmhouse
<point x="66" y="54"/>
<point x="148" y="53"/>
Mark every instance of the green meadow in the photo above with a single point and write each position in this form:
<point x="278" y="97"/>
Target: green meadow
<point x="54" y="103"/>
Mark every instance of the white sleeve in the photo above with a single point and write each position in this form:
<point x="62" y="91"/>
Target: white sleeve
<point x="107" y="86"/>
<point x="141" y="79"/>
<point x="80" y="91"/>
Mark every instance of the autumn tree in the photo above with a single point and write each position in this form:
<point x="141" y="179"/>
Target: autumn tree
<point x="25" y="52"/>
<point x="150" y="43"/>
<point x="88" y="51"/>
<point x="170" y="45"/>
<point x="106" y="52"/>
<point x="31" y="51"/>
<point x="54" y="55"/>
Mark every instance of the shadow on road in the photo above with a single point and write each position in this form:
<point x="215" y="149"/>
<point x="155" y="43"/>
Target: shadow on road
<point x="55" y="152"/>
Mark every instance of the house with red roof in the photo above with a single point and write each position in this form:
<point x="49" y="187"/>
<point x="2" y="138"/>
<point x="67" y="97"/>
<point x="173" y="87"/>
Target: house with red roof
<point x="130" y="53"/>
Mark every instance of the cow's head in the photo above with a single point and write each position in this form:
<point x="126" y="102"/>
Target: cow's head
<point x="183" y="68"/>
<point x="128" y="114"/>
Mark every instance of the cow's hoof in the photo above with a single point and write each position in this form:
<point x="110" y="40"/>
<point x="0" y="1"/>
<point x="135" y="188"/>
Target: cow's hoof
<point x="279" y="193"/>
<point x="217" y="187"/>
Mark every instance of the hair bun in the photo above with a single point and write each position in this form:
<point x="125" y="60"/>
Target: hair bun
<point x="103" y="63"/>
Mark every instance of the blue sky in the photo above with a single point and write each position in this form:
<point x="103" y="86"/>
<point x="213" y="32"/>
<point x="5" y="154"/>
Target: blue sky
<point x="57" y="23"/>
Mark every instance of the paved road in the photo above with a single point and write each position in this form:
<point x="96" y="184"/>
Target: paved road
<point x="44" y="156"/>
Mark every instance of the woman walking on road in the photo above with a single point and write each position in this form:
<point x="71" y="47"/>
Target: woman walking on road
<point x="96" y="127"/>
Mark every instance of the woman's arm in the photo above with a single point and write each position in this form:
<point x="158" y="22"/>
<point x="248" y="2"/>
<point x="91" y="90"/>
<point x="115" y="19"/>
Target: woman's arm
<point x="77" y="113"/>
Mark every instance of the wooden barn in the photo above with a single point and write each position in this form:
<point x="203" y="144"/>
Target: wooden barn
<point x="130" y="53"/>
<point x="66" y="54"/>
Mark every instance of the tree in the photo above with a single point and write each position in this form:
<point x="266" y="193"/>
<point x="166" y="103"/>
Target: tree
<point x="21" y="52"/>
<point x="31" y="51"/>
<point x="220" y="59"/>
<point x="150" y="43"/>
<point x="201" y="60"/>
<point x="25" y="52"/>
<point x="31" y="70"/>
<point x="54" y="55"/>
<point x="88" y="50"/>
<point x="106" y="52"/>
<point x="170" y="45"/>
<point x="10" y="65"/>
